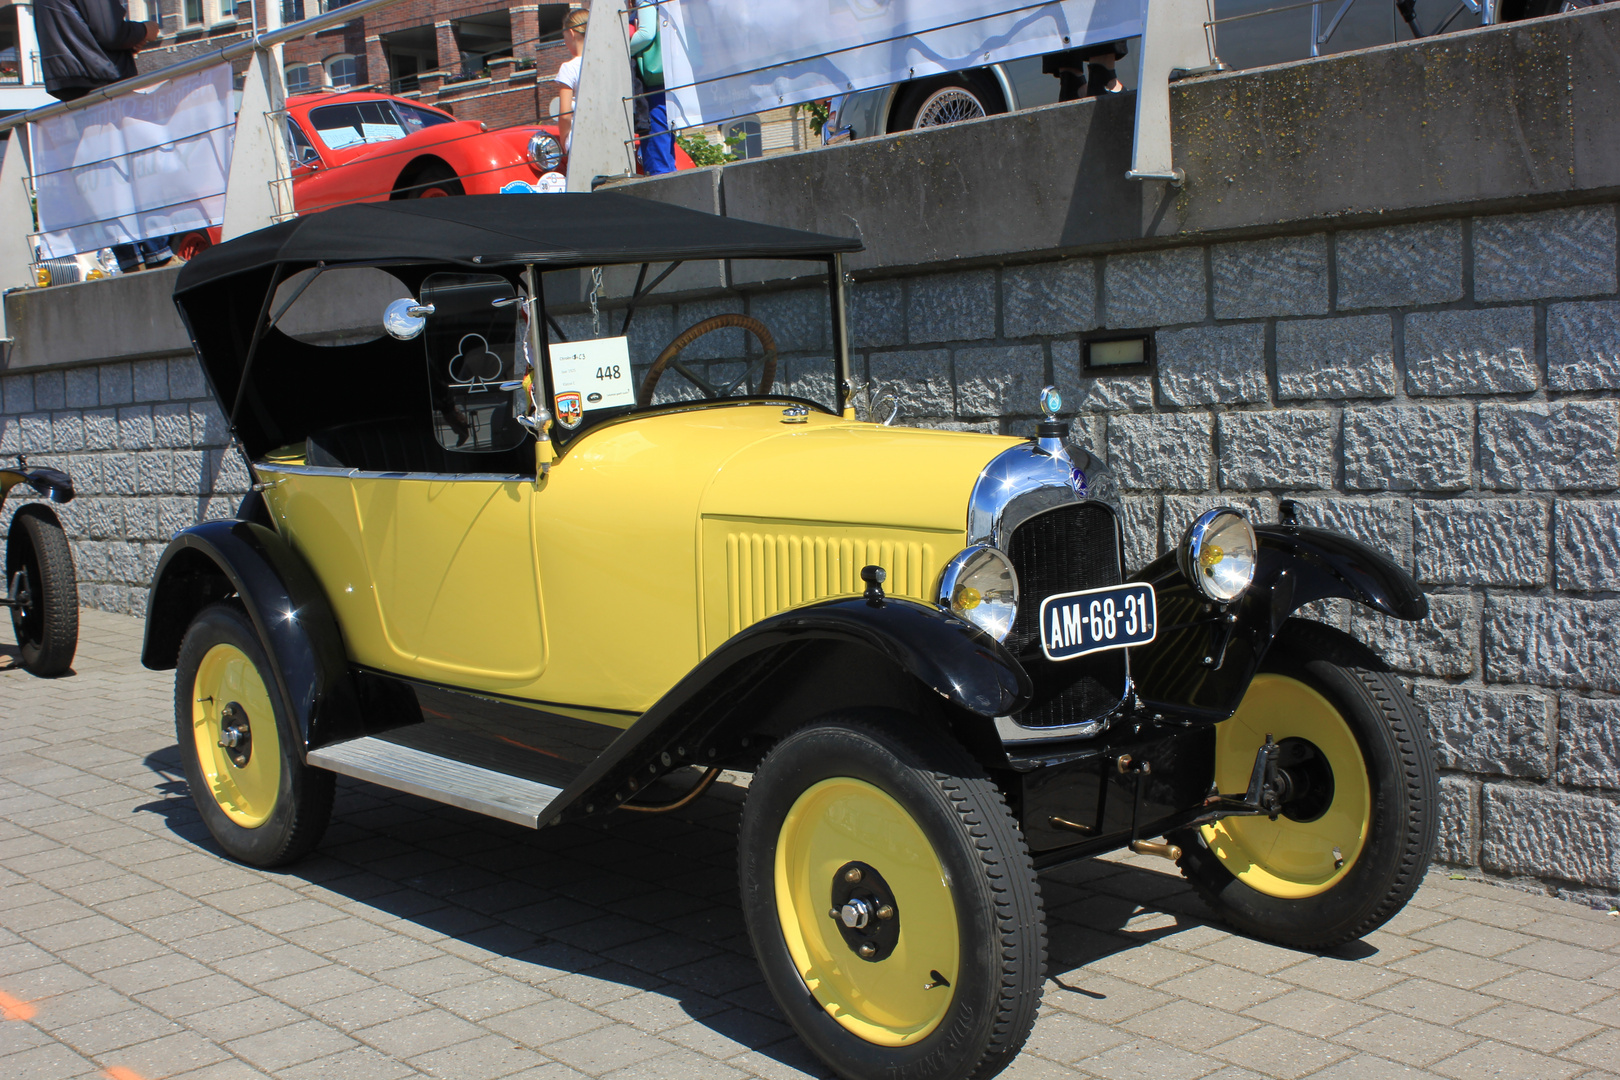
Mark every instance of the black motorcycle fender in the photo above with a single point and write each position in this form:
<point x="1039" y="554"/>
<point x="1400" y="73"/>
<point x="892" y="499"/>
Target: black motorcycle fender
<point x="1200" y="664"/>
<point x="782" y="661"/>
<point x="218" y="559"/>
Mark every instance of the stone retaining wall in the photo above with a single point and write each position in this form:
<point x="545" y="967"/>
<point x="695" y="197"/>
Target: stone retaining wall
<point x="147" y="449"/>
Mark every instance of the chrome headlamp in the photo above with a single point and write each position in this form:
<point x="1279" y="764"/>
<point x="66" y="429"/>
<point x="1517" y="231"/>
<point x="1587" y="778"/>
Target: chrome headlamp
<point x="980" y="585"/>
<point x="1218" y="554"/>
<point x="545" y="151"/>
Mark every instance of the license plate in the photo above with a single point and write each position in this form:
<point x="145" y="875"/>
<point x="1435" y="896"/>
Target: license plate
<point x="1077" y="623"/>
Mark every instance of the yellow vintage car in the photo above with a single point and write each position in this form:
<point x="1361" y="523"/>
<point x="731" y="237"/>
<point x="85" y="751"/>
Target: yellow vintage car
<point x="583" y="500"/>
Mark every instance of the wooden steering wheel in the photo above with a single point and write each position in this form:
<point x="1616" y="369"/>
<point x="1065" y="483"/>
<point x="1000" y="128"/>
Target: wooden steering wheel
<point x="668" y="359"/>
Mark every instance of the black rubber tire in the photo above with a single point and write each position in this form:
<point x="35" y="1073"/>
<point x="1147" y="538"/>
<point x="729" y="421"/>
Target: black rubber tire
<point x="48" y="629"/>
<point x="998" y="904"/>
<point x="1395" y="743"/>
<point x="431" y="176"/>
<point x="910" y="98"/>
<point x="303" y="805"/>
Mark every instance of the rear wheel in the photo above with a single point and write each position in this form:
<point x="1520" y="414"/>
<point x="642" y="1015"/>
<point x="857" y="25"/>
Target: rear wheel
<point x="433" y="182"/>
<point x="1357" y="826"/>
<point x="44" y="592"/>
<point x="891" y="902"/>
<point x="240" y="748"/>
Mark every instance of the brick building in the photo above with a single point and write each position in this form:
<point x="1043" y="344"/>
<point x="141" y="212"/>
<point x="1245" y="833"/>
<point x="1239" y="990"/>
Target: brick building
<point x="489" y="60"/>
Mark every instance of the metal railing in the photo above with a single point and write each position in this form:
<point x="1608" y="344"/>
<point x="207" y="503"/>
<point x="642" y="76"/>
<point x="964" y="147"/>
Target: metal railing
<point x="237" y="50"/>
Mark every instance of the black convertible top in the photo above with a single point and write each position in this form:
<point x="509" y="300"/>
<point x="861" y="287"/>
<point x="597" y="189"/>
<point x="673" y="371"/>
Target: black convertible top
<point x="554" y="231"/>
<point x="278" y="390"/>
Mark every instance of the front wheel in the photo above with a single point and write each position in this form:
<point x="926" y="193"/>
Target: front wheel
<point x="891" y="902"/>
<point x="1357" y="827"/>
<point x="239" y="746"/>
<point x="44" y="593"/>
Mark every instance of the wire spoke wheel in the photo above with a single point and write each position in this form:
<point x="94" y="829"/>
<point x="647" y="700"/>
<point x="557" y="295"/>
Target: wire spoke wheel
<point x="948" y="106"/>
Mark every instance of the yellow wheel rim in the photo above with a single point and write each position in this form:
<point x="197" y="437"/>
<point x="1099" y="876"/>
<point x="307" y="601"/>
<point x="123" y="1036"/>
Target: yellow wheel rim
<point x="1287" y="858"/>
<point x="247" y="793"/>
<point x="895" y="1001"/>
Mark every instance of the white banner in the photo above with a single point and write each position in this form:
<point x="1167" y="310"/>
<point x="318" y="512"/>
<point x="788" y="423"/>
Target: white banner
<point x="142" y="166"/>
<point x="727" y="58"/>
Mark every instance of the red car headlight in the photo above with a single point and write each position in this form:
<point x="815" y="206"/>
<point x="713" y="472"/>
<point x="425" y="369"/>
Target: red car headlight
<point x="545" y="151"/>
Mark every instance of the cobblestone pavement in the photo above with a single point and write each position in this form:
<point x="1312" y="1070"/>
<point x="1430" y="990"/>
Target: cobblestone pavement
<point x="421" y="940"/>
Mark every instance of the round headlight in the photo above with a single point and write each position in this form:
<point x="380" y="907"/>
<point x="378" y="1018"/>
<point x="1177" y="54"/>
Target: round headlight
<point x="1218" y="554"/>
<point x="545" y="151"/>
<point x="979" y="585"/>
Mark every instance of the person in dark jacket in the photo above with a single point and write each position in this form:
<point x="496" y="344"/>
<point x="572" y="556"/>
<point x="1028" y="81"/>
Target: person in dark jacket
<point x="84" y="44"/>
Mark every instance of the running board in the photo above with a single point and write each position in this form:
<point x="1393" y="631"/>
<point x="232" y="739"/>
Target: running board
<point x="445" y="780"/>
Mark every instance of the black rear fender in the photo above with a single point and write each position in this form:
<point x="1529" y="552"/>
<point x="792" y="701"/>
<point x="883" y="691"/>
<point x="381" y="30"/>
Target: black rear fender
<point x="1205" y="655"/>
<point x="220" y="559"/>
<point x="834" y="656"/>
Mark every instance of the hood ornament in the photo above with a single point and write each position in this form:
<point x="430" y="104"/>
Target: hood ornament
<point x="1052" y="437"/>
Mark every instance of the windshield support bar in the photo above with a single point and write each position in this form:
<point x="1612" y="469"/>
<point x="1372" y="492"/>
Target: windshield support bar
<point x="840" y="334"/>
<point x="259" y="327"/>
<point x="641" y="293"/>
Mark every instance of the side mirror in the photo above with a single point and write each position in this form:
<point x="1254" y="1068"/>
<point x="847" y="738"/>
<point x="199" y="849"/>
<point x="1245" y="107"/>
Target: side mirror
<point x="404" y="319"/>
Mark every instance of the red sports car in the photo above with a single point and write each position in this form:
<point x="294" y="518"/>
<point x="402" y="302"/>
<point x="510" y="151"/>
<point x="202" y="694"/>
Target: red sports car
<point x="366" y="147"/>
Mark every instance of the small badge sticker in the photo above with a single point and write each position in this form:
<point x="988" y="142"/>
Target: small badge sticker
<point x="518" y="187"/>
<point x="570" y="408"/>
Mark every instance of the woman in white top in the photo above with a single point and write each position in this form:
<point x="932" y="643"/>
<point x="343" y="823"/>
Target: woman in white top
<point x="568" y="75"/>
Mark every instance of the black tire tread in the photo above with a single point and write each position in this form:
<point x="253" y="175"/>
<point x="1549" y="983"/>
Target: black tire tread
<point x="1417" y="762"/>
<point x="59" y="593"/>
<point x="313" y="793"/>
<point x="982" y="810"/>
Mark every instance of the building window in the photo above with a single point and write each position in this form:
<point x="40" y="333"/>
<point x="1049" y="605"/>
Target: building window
<point x="292" y="11"/>
<point x="298" y="78"/>
<point x="743" y="136"/>
<point x="343" y="71"/>
<point x="137" y="11"/>
<point x="194" y="12"/>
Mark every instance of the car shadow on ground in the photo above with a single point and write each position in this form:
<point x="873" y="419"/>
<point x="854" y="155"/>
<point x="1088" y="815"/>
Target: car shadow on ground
<point x="643" y="902"/>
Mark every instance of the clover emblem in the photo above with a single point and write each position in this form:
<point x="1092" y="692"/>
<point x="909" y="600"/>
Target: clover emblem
<point x="475" y="363"/>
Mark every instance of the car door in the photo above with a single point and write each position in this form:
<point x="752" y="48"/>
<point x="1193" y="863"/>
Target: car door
<point x="450" y="547"/>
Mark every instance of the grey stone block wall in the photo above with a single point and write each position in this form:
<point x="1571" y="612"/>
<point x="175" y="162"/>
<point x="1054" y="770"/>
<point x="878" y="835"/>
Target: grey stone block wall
<point x="1444" y="390"/>
<point x="147" y="448"/>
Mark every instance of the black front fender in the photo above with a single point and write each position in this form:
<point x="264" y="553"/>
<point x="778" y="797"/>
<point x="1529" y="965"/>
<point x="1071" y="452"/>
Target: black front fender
<point x="52" y="484"/>
<point x="218" y="559"/>
<point x="1201" y="663"/>
<point x="946" y="657"/>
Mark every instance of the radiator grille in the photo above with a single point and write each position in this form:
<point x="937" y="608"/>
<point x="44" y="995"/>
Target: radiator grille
<point x="767" y="572"/>
<point x="1065" y="550"/>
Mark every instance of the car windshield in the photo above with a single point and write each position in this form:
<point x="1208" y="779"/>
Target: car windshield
<point x="702" y="331"/>
<point x="356" y="122"/>
<point x="416" y="119"/>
